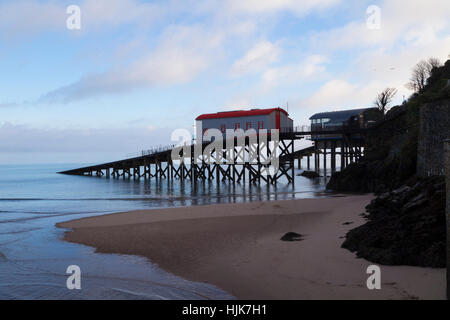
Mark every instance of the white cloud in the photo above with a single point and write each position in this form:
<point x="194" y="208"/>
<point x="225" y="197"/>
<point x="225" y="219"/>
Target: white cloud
<point x="107" y="13"/>
<point x="411" y="22"/>
<point x="339" y="94"/>
<point x="332" y="94"/>
<point x="25" y="17"/>
<point x="182" y="54"/>
<point x="271" y="6"/>
<point x="25" y="138"/>
<point x="238" y="103"/>
<point x="258" y="58"/>
<point x="381" y="58"/>
<point x="31" y="17"/>
<point x="8" y="104"/>
<point x="312" y="66"/>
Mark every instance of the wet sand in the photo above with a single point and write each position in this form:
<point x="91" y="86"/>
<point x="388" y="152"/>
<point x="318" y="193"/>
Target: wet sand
<point x="237" y="247"/>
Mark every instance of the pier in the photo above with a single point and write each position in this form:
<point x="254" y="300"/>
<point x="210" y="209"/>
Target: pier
<point x="233" y="164"/>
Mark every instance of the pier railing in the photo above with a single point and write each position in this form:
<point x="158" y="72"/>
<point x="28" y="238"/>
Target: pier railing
<point x="151" y="151"/>
<point x="307" y="129"/>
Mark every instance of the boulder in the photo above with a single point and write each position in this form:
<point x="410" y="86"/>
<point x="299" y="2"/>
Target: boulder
<point x="292" y="236"/>
<point x="309" y="174"/>
<point x="404" y="227"/>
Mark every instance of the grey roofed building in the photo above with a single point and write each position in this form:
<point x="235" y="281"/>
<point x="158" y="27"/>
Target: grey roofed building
<point x="338" y="116"/>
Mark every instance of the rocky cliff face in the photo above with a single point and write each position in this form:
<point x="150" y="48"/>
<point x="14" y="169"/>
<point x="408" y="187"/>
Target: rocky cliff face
<point x="405" y="226"/>
<point x="404" y="166"/>
<point x="390" y="157"/>
<point x="434" y="129"/>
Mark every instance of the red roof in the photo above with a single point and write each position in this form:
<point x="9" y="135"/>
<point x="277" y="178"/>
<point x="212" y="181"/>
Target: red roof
<point x="239" y="113"/>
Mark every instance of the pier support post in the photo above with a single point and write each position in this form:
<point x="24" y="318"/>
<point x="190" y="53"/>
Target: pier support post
<point x="218" y="173"/>
<point x="157" y="173"/>
<point x="316" y="159"/>
<point x="308" y="160"/>
<point x="447" y="174"/>
<point x="346" y="156"/>
<point x="333" y="157"/>
<point x="171" y="168"/>
<point x="136" y="171"/>
<point x="325" y="146"/>
<point x="292" y="161"/>
<point x="352" y="154"/>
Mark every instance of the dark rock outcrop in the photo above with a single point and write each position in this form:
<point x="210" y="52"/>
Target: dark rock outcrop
<point x="309" y="174"/>
<point x="405" y="226"/>
<point x="292" y="236"/>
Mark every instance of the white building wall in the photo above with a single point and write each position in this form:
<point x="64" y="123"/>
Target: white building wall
<point x="230" y="123"/>
<point x="269" y="122"/>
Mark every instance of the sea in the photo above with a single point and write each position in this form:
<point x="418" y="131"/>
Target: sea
<point x="34" y="258"/>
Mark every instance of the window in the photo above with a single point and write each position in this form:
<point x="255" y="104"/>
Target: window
<point x="223" y="128"/>
<point x="237" y="126"/>
<point x="248" y="125"/>
<point x="260" y="124"/>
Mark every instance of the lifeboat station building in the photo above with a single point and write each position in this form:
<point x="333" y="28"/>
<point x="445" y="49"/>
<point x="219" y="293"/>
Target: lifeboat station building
<point x="257" y="119"/>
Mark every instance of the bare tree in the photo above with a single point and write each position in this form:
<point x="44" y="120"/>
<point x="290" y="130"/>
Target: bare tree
<point x="384" y="98"/>
<point x="421" y="72"/>
<point x="418" y="77"/>
<point x="433" y="63"/>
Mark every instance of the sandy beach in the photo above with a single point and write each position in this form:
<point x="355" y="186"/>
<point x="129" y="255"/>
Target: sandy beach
<point x="237" y="247"/>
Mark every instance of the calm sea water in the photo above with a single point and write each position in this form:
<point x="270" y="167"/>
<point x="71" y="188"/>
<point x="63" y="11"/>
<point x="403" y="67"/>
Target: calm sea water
<point x="34" y="259"/>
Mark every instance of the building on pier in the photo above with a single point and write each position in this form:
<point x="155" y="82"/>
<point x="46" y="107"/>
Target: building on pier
<point x="257" y="119"/>
<point x="333" y="121"/>
<point x="341" y="133"/>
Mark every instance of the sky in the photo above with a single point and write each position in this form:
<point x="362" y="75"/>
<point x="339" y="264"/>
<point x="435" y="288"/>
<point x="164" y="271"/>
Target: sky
<point x="136" y="70"/>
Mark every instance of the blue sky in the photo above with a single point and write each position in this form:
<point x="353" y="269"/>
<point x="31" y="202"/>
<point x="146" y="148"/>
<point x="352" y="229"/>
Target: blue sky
<point x="136" y="70"/>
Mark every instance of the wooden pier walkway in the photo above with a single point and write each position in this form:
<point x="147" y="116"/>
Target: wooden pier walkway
<point x="158" y="163"/>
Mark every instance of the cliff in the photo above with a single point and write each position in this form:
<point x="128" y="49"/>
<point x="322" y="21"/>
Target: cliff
<point x="404" y="166"/>
<point x="408" y="140"/>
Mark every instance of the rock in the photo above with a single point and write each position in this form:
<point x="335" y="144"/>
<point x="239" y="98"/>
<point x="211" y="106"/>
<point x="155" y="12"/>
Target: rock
<point x="405" y="228"/>
<point x="384" y="196"/>
<point x="347" y="223"/>
<point x="416" y="202"/>
<point x="400" y="190"/>
<point x="309" y="174"/>
<point x="292" y="236"/>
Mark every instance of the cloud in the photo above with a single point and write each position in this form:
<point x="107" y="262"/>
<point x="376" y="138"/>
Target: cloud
<point x="380" y="58"/>
<point x="183" y="53"/>
<point x="106" y="13"/>
<point x="8" y="104"/>
<point x="27" y="17"/>
<point x="51" y="16"/>
<point x="22" y="138"/>
<point x="271" y="6"/>
<point x="312" y="66"/>
<point x="401" y="24"/>
<point x="339" y="94"/>
<point x="333" y="93"/>
<point x="259" y="57"/>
